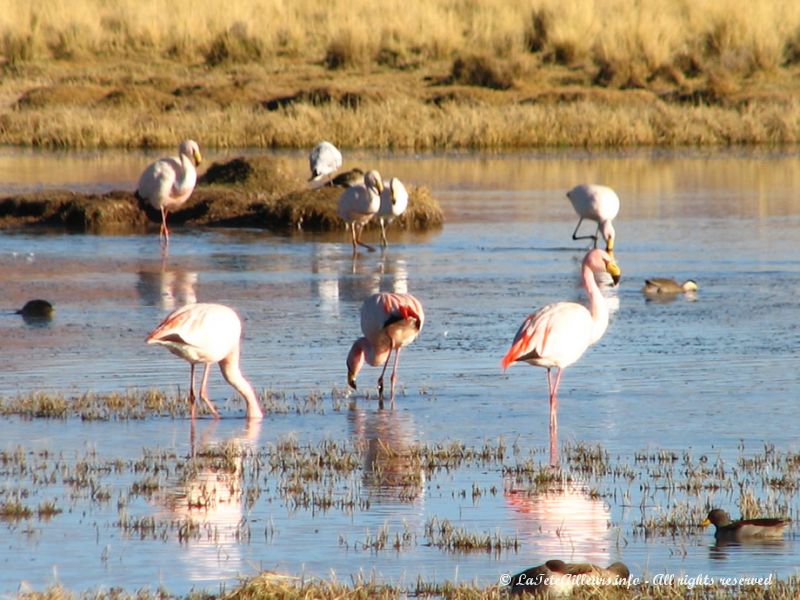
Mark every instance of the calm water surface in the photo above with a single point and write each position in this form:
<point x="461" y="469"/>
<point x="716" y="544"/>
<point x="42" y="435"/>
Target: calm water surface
<point x="712" y="379"/>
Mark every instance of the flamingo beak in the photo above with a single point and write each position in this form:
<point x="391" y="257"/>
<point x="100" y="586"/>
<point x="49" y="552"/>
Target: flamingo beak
<point x="613" y="269"/>
<point x="197" y="157"/>
<point x="351" y="381"/>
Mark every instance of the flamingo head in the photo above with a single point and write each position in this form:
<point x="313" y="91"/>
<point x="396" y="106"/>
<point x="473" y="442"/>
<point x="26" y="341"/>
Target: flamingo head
<point x="191" y="149"/>
<point x="355" y="360"/>
<point x="373" y="181"/>
<point x="601" y="261"/>
<point x="608" y="233"/>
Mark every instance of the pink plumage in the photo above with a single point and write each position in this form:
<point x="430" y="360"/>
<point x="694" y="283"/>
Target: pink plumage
<point x="389" y="322"/>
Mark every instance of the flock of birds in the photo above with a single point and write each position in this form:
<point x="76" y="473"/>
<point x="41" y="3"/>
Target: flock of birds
<point x="553" y="337"/>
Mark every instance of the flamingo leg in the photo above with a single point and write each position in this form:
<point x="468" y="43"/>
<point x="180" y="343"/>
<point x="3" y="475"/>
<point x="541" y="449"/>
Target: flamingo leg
<point x="575" y="235"/>
<point x="163" y="234"/>
<point x="384" y="241"/>
<point x="191" y="390"/>
<point x="394" y="374"/>
<point x="355" y="242"/>
<point x="204" y="395"/>
<point x="380" y="379"/>
<point x="360" y="243"/>
<point x="554" y="417"/>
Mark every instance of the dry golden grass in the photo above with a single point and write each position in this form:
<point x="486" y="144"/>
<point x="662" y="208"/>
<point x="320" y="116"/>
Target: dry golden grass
<point x="400" y="74"/>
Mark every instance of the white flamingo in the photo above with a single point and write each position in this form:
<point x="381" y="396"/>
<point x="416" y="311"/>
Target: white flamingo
<point x="208" y="334"/>
<point x="325" y="159"/>
<point x="168" y="182"/>
<point x="394" y="201"/>
<point x="597" y="203"/>
<point x="359" y="203"/>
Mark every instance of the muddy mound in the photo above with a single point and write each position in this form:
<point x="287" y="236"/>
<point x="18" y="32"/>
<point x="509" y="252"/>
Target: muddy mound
<point x="258" y="192"/>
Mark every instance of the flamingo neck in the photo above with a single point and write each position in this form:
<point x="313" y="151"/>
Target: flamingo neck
<point x="233" y="375"/>
<point x="188" y="175"/>
<point x="374" y="355"/>
<point x="597" y="304"/>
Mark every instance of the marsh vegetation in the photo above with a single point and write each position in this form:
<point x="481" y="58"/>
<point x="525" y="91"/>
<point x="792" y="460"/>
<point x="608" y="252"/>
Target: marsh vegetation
<point x="456" y="74"/>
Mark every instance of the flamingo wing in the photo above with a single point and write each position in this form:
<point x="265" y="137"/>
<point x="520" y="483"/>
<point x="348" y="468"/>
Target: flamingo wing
<point x="199" y="332"/>
<point x="554" y="336"/>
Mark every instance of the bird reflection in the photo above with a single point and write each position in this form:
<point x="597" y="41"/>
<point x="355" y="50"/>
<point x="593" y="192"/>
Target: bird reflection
<point x="167" y="288"/>
<point x="337" y="281"/>
<point x="210" y="495"/>
<point x="385" y="438"/>
<point x="565" y="523"/>
<point x="723" y="547"/>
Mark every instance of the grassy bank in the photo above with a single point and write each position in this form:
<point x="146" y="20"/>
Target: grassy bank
<point x="257" y="192"/>
<point x="285" y="588"/>
<point x="403" y="75"/>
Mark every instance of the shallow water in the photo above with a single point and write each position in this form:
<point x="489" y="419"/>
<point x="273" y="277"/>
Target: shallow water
<point x="712" y="376"/>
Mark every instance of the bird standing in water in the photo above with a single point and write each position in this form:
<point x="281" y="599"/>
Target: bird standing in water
<point x="389" y="322"/>
<point x="558" y="334"/>
<point x="394" y="201"/>
<point x="208" y="334"/>
<point x="358" y="204"/>
<point x="597" y="203"/>
<point x="168" y="182"/>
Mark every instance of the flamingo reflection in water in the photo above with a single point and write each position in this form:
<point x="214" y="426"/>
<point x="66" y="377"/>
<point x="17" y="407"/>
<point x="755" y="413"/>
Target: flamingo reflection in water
<point x="211" y="495"/>
<point x="167" y="288"/>
<point x="390" y="472"/>
<point x="566" y="522"/>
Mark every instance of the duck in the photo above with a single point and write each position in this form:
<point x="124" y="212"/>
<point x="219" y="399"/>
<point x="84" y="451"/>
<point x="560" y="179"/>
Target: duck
<point x="559" y="578"/>
<point x="346" y="179"/>
<point x="662" y="285"/>
<point x="36" y="309"/>
<point x="744" y="528"/>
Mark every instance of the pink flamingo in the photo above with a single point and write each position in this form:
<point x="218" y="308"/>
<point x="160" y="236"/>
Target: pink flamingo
<point x="389" y="322"/>
<point x="558" y="334"/>
<point x="167" y="183"/>
<point x="207" y="333"/>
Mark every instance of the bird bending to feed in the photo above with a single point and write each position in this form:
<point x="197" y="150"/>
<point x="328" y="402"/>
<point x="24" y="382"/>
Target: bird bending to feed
<point x="167" y="183"/>
<point x="559" y="578"/>
<point x="744" y="529"/>
<point x="207" y="333"/>
<point x="389" y="322"/>
<point x="36" y="309"/>
<point x="394" y="201"/>
<point x="596" y="203"/>
<point x="359" y="203"/>
<point x="558" y="334"/>
<point x="324" y="160"/>
<point x="354" y="176"/>
<point x="660" y="285"/>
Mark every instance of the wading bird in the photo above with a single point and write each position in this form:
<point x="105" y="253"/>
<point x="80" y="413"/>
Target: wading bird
<point x="389" y="322"/>
<point x="744" y="529"/>
<point x="359" y="203"/>
<point x="324" y="160"/>
<point x="659" y="285"/>
<point x="208" y="334"/>
<point x="596" y="203"/>
<point x="559" y="578"/>
<point x="167" y="183"/>
<point x="558" y="334"/>
<point x="394" y="201"/>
